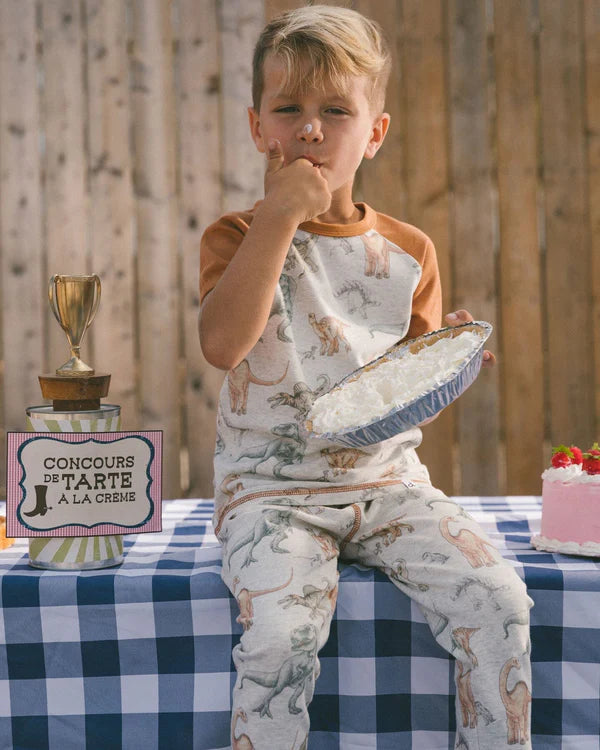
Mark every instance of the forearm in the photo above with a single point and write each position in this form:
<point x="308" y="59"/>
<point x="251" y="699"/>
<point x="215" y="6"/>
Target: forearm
<point x="236" y="312"/>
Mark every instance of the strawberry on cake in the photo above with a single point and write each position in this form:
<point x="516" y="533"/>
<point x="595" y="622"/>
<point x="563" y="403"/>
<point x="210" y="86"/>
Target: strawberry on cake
<point x="571" y="503"/>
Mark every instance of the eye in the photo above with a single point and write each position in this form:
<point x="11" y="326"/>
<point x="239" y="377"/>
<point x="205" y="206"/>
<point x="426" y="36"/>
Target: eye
<point x="288" y="108"/>
<point x="336" y="111"/>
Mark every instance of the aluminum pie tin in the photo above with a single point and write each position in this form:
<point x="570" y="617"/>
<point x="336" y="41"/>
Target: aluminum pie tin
<point x="424" y="406"/>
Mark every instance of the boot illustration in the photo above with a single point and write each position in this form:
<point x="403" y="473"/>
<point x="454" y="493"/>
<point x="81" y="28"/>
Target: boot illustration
<point x="40" y="501"/>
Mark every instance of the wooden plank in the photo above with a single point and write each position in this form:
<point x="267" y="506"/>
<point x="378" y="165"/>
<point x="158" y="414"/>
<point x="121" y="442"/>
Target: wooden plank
<point x="156" y="210"/>
<point x="240" y="24"/>
<point x="65" y="190"/>
<point x="22" y="288"/>
<point x="200" y="129"/>
<point x="422" y="49"/>
<point x="521" y="363"/>
<point x="473" y="249"/>
<point x="111" y="204"/>
<point x="381" y="181"/>
<point x="591" y="26"/>
<point x="568" y="262"/>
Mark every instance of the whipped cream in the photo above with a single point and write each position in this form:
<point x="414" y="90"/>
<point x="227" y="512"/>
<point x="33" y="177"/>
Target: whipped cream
<point x="572" y="473"/>
<point x="392" y="384"/>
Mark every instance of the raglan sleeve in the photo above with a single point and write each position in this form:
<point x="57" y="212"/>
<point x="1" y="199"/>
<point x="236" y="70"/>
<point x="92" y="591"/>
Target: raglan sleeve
<point x="426" y="312"/>
<point x="218" y="245"/>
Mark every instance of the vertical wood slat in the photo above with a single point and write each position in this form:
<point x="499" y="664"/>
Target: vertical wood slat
<point x="473" y="251"/>
<point x="201" y="203"/>
<point x="20" y="218"/>
<point x="591" y="26"/>
<point x="568" y="279"/>
<point x="157" y="263"/>
<point x="240" y="23"/>
<point x="423" y="58"/>
<point x="65" y="192"/>
<point x="111" y="201"/>
<point x="380" y="182"/>
<point x="520" y="280"/>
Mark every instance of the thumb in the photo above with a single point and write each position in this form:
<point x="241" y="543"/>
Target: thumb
<point x="274" y="156"/>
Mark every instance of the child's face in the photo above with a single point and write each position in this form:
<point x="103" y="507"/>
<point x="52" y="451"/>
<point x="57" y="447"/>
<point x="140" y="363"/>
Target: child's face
<point x="343" y="129"/>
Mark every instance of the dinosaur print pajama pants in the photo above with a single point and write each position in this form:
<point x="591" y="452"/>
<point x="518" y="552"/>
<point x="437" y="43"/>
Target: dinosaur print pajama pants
<point x="280" y="562"/>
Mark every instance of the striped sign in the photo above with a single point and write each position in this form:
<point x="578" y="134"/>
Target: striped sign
<point x="83" y="484"/>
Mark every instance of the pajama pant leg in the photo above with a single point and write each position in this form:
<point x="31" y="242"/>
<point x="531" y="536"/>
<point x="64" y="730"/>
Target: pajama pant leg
<point x="474" y="602"/>
<point x="281" y="566"/>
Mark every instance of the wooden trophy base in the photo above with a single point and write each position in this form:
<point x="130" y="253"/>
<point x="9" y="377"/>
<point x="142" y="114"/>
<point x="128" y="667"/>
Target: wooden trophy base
<point x="75" y="392"/>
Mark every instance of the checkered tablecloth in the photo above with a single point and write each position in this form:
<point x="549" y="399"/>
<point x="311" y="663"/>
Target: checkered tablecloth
<point x="139" y="656"/>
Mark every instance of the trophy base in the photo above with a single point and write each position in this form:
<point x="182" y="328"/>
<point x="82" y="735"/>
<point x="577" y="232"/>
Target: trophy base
<point x="75" y="392"/>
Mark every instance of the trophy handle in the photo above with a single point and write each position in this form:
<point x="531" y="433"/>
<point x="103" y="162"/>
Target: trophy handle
<point x="96" y="301"/>
<point x="52" y="297"/>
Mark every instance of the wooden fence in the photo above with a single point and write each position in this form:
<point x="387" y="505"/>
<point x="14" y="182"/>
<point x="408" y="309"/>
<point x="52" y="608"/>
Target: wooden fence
<point x="123" y="133"/>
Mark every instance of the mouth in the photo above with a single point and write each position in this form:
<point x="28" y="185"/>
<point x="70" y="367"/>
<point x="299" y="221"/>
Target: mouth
<point x="312" y="160"/>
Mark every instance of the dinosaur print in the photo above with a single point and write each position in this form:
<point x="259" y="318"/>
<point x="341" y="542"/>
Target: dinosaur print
<point x="399" y="573"/>
<point x="293" y="673"/>
<point x="225" y="488"/>
<point x="239" y="380"/>
<point x="342" y="459"/>
<point x="460" y="639"/>
<point x="516" y="702"/>
<point x="244" y="599"/>
<point x="320" y="602"/>
<point x="466" y="585"/>
<point x="458" y="510"/>
<point x="435" y="557"/>
<point x="302" y="398"/>
<point x="472" y="547"/>
<point x="327" y="543"/>
<point x="356" y="298"/>
<point x="377" y="255"/>
<point x="242" y="742"/>
<point x="465" y="696"/>
<point x="391" y="329"/>
<point x="288" y="447"/>
<point x="285" y="308"/>
<point x="309" y="353"/>
<point x="461" y="742"/>
<point x="484" y="712"/>
<point x="520" y="618"/>
<point x="389" y="531"/>
<point x="304" y="249"/>
<point x="272" y="522"/>
<point x="330" y="333"/>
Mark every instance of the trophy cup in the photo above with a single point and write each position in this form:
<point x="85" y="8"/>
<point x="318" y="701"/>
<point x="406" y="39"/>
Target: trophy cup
<point x="75" y="390"/>
<point x="74" y="301"/>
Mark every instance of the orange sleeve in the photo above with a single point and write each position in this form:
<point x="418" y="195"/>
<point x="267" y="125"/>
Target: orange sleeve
<point x="427" y="299"/>
<point x="426" y="312"/>
<point x="218" y="245"/>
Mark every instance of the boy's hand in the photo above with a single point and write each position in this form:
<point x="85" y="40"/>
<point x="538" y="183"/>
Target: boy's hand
<point x="464" y="316"/>
<point x="298" y="188"/>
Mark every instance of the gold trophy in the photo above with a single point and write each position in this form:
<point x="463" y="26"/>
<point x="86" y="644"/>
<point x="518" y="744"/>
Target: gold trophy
<point x="75" y="390"/>
<point x="74" y="301"/>
<point x="74" y="386"/>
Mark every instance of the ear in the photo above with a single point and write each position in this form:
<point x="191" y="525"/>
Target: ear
<point x="255" y="129"/>
<point x="380" y="128"/>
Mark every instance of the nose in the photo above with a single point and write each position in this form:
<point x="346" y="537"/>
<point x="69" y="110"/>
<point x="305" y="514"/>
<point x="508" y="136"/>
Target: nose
<point x="310" y="132"/>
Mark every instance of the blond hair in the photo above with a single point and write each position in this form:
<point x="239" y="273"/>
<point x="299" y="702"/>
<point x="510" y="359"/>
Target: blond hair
<point x="319" y="43"/>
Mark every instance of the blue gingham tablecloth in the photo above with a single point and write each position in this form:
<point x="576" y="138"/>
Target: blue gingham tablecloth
<point x="139" y="656"/>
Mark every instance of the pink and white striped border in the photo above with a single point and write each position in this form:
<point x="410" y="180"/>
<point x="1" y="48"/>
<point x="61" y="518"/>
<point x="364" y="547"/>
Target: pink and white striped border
<point x="14" y="474"/>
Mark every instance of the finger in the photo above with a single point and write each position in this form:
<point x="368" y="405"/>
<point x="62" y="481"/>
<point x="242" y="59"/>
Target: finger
<point x="489" y="359"/>
<point x="274" y="156"/>
<point x="458" y="317"/>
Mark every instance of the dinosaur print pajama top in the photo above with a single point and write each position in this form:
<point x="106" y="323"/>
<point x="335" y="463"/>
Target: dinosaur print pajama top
<point x="288" y="506"/>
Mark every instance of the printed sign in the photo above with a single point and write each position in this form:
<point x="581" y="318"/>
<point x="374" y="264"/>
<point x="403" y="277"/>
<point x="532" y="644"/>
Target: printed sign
<point x="83" y="484"/>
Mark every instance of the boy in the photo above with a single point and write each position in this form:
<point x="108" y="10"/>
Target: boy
<point x="296" y="293"/>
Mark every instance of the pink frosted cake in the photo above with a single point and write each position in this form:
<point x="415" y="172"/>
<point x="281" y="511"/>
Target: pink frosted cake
<point x="571" y="503"/>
